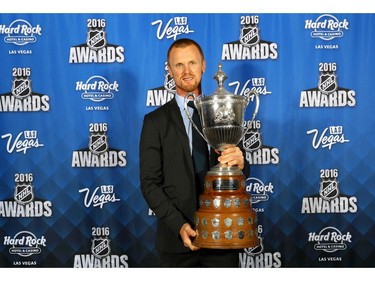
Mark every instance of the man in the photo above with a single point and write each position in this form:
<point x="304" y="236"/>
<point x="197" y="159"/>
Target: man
<point x="167" y="171"/>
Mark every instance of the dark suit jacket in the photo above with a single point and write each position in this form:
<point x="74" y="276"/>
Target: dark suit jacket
<point x="167" y="174"/>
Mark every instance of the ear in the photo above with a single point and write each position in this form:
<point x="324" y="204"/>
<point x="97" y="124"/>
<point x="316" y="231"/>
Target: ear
<point x="169" y="71"/>
<point x="203" y="66"/>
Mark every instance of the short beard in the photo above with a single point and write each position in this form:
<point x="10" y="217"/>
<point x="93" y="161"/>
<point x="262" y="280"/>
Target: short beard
<point x="190" y="88"/>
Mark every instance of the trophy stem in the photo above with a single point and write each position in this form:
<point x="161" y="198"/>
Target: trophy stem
<point x="224" y="169"/>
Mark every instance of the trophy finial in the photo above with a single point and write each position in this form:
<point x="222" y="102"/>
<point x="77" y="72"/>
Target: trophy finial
<point x="220" y="78"/>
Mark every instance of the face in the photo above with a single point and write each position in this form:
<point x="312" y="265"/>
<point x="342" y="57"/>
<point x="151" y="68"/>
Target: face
<point x="186" y="66"/>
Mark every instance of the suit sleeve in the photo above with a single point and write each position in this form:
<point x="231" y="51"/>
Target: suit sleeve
<point x="151" y="177"/>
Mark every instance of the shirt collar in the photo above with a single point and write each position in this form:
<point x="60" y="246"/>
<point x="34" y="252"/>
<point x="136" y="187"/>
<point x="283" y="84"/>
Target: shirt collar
<point x="181" y="101"/>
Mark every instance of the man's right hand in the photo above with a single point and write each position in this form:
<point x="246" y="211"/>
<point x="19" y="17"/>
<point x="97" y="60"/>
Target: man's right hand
<point x="187" y="234"/>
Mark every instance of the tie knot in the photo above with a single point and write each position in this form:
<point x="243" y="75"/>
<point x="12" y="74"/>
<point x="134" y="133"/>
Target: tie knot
<point x="192" y="105"/>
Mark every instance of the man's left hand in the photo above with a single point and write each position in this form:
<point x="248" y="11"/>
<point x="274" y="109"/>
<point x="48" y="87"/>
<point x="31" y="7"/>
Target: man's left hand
<point x="232" y="156"/>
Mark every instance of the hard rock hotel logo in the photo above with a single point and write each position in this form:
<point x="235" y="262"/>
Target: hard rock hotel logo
<point x="20" y="32"/>
<point x="97" y="89"/>
<point x="327" y="27"/>
<point x="330" y="240"/>
<point x="25" y="244"/>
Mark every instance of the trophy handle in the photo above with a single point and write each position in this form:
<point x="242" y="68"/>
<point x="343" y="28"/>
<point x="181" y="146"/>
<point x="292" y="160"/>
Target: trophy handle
<point x="254" y="92"/>
<point x="190" y="117"/>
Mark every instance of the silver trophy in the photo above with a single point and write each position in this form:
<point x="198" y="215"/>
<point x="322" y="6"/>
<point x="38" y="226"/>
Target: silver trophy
<point x="225" y="218"/>
<point x="222" y="116"/>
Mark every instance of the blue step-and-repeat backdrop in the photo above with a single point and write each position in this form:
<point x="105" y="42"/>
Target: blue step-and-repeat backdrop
<point x="74" y="88"/>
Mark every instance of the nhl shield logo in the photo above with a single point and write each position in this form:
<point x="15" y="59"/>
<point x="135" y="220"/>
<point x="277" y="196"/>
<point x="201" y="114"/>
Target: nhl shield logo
<point x="249" y="36"/>
<point x="96" y="39"/>
<point x="252" y="141"/>
<point x="328" y="189"/>
<point x="100" y="247"/>
<point x="253" y="251"/>
<point x="169" y="84"/>
<point x="327" y="83"/>
<point x="21" y="88"/>
<point x="23" y="193"/>
<point x="98" y="143"/>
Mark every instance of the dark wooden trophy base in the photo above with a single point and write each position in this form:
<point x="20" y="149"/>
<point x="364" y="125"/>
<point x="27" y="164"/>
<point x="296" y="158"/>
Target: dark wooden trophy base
<point x="225" y="218"/>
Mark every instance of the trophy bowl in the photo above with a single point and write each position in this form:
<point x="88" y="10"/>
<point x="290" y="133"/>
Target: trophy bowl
<point x="222" y="117"/>
<point x="225" y="218"/>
